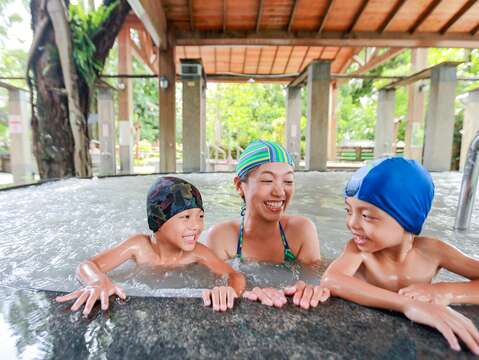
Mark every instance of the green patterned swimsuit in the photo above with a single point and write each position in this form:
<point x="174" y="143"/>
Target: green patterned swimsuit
<point x="288" y="254"/>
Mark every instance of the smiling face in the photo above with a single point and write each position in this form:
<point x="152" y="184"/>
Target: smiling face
<point x="373" y="229"/>
<point x="268" y="190"/>
<point x="183" y="230"/>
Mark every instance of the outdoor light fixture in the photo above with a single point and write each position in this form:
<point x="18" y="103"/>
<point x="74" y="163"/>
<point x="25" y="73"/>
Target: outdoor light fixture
<point x="164" y="82"/>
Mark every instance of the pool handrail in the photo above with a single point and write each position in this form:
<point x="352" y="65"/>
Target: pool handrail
<point x="467" y="194"/>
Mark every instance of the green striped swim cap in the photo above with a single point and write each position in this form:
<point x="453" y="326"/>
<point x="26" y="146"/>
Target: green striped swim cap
<point x="261" y="152"/>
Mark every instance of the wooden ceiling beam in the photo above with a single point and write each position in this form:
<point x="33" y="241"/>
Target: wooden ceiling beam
<point x="424" y="15"/>
<point x="259" y="15"/>
<point x="397" y="6"/>
<point x="274" y="59"/>
<point x="289" y="59"/>
<point x="190" y="15"/>
<point x="259" y="60"/>
<point x="334" y="39"/>
<point x="378" y="60"/>
<point x="357" y="16"/>
<point x="324" y="18"/>
<point x="304" y="58"/>
<point x="152" y="15"/>
<point x="292" y="15"/>
<point x="474" y="31"/>
<point x="225" y="2"/>
<point x="457" y="16"/>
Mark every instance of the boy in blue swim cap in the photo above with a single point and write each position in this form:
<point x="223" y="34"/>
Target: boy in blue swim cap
<point x="175" y="216"/>
<point x="387" y="264"/>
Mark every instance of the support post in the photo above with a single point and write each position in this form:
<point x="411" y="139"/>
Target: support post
<point x="106" y="122"/>
<point x="194" y="117"/>
<point x="471" y="123"/>
<point x="383" y="139"/>
<point x="125" y="108"/>
<point x="440" y="119"/>
<point x="21" y="158"/>
<point x="167" y="83"/>
<point x="414" y="139"/>
<point x="293" y="123"/>
<point x="319" y="77"/>
<point x="332" y="124"/>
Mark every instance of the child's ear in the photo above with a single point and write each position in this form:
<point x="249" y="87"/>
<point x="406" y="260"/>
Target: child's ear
<point x="237" y="184"/>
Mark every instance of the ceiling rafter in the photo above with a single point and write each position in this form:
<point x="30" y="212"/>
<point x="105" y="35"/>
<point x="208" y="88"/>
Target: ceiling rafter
<point x="274" y="60"/>
<point x="324" y="18"/>
<point x="304" y="58"/>
<point x="225" y="3"/>
<point x="292" y="14"/>
<point x="259" y="15"/>
<point x="289" y="58"/>
<point x="259" y="59"/>
<point x="190" y="15"/>
<point x="457" y="16"/>
<point x="358" y="14"/>
<point x="391" y="15"/>
<point x="424" y="15"/>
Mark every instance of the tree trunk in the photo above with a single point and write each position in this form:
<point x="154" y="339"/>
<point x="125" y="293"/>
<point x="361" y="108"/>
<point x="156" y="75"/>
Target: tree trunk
<point x="54" y="144"/>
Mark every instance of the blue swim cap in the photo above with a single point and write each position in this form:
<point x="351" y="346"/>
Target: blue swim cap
<point x="400" y="187"/>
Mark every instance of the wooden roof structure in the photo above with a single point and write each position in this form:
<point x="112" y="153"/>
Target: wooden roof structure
<point x="277" y="39"/>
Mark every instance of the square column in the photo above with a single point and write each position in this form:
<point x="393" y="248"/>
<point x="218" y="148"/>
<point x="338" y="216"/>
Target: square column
<point x="332" y="124"/>
<point x="440" y="119"/>
<point x="167" y="93"/>
<point x="293" y="123"/>
<point x="21" y="157"/>
<point x="106" y="122"/>
<point x="319" y="77"/>
<point x="384" y="136"/>
<point x="414" y="139"/>
<point x="471" y="123"/>
<point x="194" y="116"/>
<point x="125" y="106"/>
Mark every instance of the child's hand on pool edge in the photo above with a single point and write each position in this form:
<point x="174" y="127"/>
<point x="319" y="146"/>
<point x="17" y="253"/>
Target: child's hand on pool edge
<point x="90" y="294"/>
<point x="267" y="296"/>
<point x="221" y="298"/>
<point x="306" y="296"/>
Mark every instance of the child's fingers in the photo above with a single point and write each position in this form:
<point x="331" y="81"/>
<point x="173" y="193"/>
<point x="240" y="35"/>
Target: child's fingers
<point x="446" y="331"/>
<point x="90" y="302"/>
<point x="458" y="325"/>
<point x="215" y="297"/>
<point x="223" y="294"/>
<point x="250" y="295"/>
<point x="265" y="300"/>
<point x="324" y="294"/>
<point x="105" y="301"/>
<point x="120" y="292"/>
<point x="70" y="296"/>
<point x="231" y="297"/>
<point x="206" y="295"/>
<point x="276" y="296"/>
<point x="317" y="292"/>
<point x="306" y="298"/>
<point x="297" y="296"/>
<point x="81" y="299"/>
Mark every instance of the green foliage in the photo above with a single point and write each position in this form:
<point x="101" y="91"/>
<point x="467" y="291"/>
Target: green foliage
<point x="84" y="27"/>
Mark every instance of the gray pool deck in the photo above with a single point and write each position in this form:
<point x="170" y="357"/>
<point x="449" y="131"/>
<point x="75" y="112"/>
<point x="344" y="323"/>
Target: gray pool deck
<point x="179" y="328"/>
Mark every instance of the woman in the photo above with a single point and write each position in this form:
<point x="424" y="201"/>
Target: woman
<point x="265" y="181"/>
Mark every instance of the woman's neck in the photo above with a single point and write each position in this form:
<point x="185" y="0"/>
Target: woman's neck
<point x="257" y="226"/>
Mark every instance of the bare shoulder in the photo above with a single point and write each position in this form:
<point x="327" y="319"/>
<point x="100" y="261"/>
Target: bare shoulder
<point x="222" y="238"/>
<point x="429" y="246"/>
<point x="299" y="229"/>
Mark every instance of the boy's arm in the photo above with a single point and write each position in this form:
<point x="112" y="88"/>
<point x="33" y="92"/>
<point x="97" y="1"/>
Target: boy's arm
<point x="450" y="258"/>
<point x="207" y="258"/>
<point x="339" y="279"/>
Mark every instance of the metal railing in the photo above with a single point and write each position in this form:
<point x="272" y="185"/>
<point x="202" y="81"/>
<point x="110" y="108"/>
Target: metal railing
<point x="467" y="194"/>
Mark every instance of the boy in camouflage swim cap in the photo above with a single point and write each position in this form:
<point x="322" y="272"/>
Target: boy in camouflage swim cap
<point x="175" y="215"/>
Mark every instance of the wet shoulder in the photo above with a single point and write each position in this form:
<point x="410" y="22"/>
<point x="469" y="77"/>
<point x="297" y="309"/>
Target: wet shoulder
<point x="222" y="238"/>
<point x="298" y="228"/>
<point x="429" y="247"/>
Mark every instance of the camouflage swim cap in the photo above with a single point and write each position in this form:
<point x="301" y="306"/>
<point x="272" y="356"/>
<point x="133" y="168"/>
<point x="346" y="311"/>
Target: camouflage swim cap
<point x="169" y="196"/>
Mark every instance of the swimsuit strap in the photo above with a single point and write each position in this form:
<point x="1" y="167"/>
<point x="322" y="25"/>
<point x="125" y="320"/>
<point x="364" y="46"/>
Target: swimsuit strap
<point x="288" y="254"/>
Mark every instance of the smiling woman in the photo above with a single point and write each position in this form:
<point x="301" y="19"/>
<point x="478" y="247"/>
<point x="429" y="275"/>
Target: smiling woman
<point x="265" y="182"/>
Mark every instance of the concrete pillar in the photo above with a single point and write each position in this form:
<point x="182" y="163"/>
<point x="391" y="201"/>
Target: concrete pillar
<point x="167" y="78"/>
<point x="21" y="158"/>
<point x="319" y="77"/>
<point x="332" y="124"/>
<point x="106" y="123"/>
<point x="384" y="136"/>
<point x="471" y="123"/>
<point x="440" y="119"/>
<point x="194" y="117"/>
<point x="125" y="106"/>
<point x="414" y="139"/>
<point x="293" y="123"/>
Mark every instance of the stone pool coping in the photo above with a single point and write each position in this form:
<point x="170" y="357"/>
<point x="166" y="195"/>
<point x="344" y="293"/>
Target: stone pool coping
<point x="170" y="328"/>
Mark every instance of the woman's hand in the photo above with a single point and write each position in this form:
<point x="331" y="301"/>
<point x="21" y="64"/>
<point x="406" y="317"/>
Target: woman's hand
<point x="447" y="321"/>
<point x="306" y="296"/>
<point x="267" y="296"/>
<point x="91" y="293"/>
<point x="432" y="293"/>
<point x="220" y="297"/>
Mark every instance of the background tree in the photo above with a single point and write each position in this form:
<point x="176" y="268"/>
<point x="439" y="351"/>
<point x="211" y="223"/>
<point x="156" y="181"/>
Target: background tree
<point x="68" y="51"/>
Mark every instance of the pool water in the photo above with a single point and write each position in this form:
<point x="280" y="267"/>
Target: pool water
<point x="47" y="230"/>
